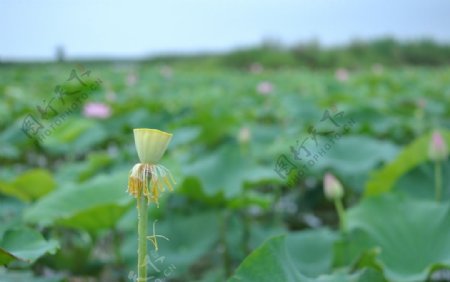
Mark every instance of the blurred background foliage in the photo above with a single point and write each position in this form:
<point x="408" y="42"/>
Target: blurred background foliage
<point x="65" y="214"/>
<point x="359" y="53"/>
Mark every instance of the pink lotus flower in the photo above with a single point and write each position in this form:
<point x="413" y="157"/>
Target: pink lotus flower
<point x="265" y="88"/>
<point x="342" y="74"/>
<point x="437" y="150"/>
<point x="96" y="110"/>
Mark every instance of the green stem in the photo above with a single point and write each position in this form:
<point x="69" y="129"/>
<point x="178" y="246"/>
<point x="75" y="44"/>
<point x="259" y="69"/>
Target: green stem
<point x="245" y="232"/>
<point x="142" y="208"/>
<point x="116" y="244"/>
<point x="438" y="180"/>
<point x="246" y="224"/>
<point x="223" y="241"/>
<point x="341" y="214"/>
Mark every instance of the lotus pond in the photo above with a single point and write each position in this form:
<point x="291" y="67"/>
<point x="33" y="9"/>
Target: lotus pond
<point x="249" y="153"/>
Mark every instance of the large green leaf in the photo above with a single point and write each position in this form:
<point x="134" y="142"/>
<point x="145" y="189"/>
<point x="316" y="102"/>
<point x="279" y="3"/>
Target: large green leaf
<point x="226" y="170"/>
<point x="419" y="182"/>
<point x="10" y="137"/>
<point x="11" y="211"/>
<point x="297" y="257"/>
<point x="6" y="257"/>
<point x="74" y="136"/>
<point x="270" y="262"/>
<point x="413" y="236"/>
<point x="24" y="244"/>
<point x="351" y="155"/>
<point x="7" y="275"/>
<point x="93" y="205"/>
<point x="94" y="163"/>
<point x="30" y="185"/>
<point x="415" y="153"/>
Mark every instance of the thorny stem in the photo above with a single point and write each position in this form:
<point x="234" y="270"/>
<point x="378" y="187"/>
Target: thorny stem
<point x="341" y="214"/>
<point x="438" y="180"/>
<point x="142" y="208"/>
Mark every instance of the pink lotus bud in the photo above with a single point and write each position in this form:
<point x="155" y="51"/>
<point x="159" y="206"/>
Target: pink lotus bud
<point x="437" y="150"/>
<point x="332" y="187"/>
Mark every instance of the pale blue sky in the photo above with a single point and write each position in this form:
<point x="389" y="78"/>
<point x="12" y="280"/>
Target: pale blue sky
<point x="31" y="29"/>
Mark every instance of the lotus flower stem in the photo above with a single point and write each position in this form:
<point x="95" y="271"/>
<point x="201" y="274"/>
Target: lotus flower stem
<point x="142" y="208"/>
<point x="146" y="181"/>
<point x="341" y="214"/>
<point x="334" y="191"/>
<point x="438" y="180"/>
<point x="438" y="153"/>
<point x="223" y="241"/>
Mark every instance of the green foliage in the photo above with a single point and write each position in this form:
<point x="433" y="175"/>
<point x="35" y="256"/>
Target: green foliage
<point x="24" y="244"/>
<point x="93" y="205"/>
<point x="232" y="216"/>
<point x="30" y="185"/>
<point x="269" y="56"/>
<point x="401" y="238"/>
<point x="239" y="170"/>
<point x="412" y="235"/>
<point x="297" y="257"/>
<point x="412" y="155"/>
<point x="357" y="54"/>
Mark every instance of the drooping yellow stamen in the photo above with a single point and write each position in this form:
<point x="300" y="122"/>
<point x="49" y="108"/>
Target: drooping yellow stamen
<point x="167" y="182"/>
<point x="149" y="180"/>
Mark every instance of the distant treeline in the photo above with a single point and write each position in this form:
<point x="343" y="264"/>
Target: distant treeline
<point x="386" y="51"/>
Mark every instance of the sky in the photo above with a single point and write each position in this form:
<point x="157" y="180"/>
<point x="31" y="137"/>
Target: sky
<point x="32" y="29"/>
